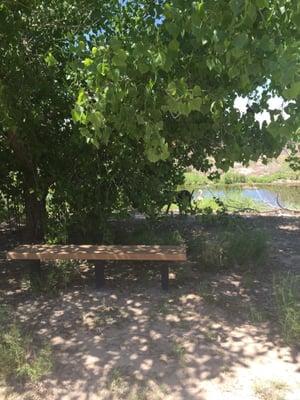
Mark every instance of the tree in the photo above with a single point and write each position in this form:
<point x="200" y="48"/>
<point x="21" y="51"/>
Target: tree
<point x="35" y="99"/>
<point x="167" y="74"/>
<point x="155" y="83"/>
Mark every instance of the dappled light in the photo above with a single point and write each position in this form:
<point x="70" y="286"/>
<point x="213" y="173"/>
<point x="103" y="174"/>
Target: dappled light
<point x="92" y="252"/>
<point x="131" y="339"/>
<point x="149" y="200"/>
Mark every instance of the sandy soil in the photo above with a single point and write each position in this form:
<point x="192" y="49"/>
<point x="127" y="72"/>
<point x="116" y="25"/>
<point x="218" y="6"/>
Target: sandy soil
<point x="206" y="339"/>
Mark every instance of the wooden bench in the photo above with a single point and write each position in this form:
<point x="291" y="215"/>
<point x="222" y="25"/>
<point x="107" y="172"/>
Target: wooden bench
<point x="34" y="254"/>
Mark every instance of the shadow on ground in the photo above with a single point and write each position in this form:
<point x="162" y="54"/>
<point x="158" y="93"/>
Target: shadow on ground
<point x="132" y="341"/>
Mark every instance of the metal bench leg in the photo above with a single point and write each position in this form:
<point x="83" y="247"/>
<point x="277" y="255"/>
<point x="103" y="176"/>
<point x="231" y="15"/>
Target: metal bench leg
<point x="35" y="273"/>
<point x="99" y="274"/>
<point x="164" y="270"/>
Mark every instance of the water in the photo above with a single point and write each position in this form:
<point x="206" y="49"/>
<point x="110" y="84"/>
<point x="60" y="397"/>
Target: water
<point x="270" y="195"/>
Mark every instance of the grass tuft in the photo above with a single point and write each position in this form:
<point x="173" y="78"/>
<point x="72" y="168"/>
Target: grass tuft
<point x="270" y="390"/>
<point x="19" y="356"/>
<point x="287" y="295"/>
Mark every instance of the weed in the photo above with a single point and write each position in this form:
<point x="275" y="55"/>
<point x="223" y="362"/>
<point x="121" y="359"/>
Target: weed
<point x="287" y="295"/>
<point x="19" y="357"/>
<point x="255" y="316"/>
<point x="246" y="247"/>
<point x="138" y="394"/>
<point x="210" y="335"/>
<point x="58" y="276"/>
<point x="207" y="291"/>
<point x="211" y="252"/>
<point x="227" y="248"/>
<point x="270" y="390"/>
<point x="118" y="385"/>
<point x="178" y="351"/>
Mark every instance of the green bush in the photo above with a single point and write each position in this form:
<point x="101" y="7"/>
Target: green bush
<point x="231" y="177"/>
<point x="246" y="247"/>
<point x="194" y="179"/>
<point x="19" y="357"/>
<point x="287" y="296"/>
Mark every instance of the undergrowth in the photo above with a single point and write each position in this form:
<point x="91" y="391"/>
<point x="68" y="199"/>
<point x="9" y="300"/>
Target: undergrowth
<point x="20" y="357"/>
<point x="229" y="248"/>
<point x="287" y="296"/>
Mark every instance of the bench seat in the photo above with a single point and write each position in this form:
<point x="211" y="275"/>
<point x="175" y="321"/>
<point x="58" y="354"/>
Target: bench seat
<point x="99" y="253"/>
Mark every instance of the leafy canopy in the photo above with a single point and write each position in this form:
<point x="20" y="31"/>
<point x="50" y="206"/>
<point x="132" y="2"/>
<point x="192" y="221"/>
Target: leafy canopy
<point x="167" y="73"/>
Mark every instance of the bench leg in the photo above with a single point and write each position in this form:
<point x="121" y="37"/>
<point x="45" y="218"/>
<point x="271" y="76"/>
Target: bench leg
<point x="35" y="274"/>
<point x="164" y="270"/>
<point x="99" y="274"/>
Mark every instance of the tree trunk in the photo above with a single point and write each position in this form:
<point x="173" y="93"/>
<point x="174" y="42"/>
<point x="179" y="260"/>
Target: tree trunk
<point x="35" y="213"/>
<point x="35" y="205"/>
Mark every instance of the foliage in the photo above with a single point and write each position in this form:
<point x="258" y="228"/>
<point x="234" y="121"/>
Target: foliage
<point x="231" y="202"/>
<point x="19" y="356"/>
<point x="286" y="291"/>
<point x="232" y="178"/>
<point x="104" y="106"/>
<point x="247" y="247"/>
<point x="194" y="180"/>
<point x="170" y="86"/>
<point x="283" y="175"/>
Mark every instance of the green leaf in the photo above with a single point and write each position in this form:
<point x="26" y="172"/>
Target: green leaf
<point x="119" y="58"/>
<point x="236" y="7"/>
<point x="103" y="68"/>
<point x="197" y="90"/>
<point x="87" y="62"/>
<point x="50" y="60"/>
<point x="240" y="41"/>
<point x="262" y="3"/>
<point x="97" y="119"/>
<point x="174" y="45"/>
<point x="143" y="67"/>
<point x="78" y="114"/>
<point x="251" y="12"/>
<point x="115" y="44"/>
<point x="81" y="99"/>
<point x="293" y="92"/>
<point x="172" y="28"/>
<point x="172" y="88"/>
<point x="159" y="59"/>
<point x="197" y="15"/>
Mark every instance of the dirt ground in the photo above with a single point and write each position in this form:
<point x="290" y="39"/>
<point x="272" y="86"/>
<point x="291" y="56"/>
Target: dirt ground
<point x="213" y="336"/>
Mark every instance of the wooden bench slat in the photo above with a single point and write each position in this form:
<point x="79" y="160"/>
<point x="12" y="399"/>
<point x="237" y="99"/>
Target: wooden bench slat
<point x="96" y="252"/>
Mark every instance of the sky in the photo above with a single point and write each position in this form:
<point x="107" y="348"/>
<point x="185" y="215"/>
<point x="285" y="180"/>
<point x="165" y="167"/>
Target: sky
<point x="274" y="103"/>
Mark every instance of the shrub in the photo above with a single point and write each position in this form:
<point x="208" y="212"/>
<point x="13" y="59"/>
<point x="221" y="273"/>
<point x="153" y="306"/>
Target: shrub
<point x="194" y="179"/>
<point x="226" y="249"/>
<point x="231" y="177"/>
<point x="287" y="296"/>
<point x="247" y="247"/>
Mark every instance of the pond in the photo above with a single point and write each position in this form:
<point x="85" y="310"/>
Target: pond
<point x="270" y="196"/>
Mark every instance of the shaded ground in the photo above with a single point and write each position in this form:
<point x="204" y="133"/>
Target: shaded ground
<point x="212" y="336"/>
